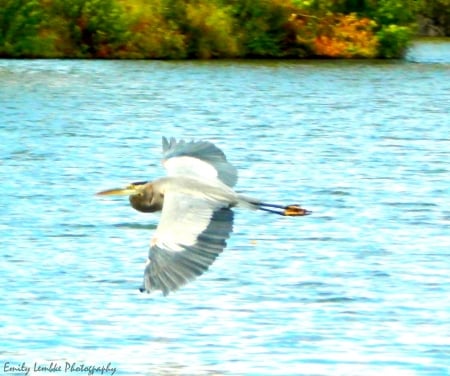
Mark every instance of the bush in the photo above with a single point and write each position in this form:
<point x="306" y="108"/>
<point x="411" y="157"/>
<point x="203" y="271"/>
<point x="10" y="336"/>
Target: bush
<point x="346" y="36"/>
<point x="393" y="41"/>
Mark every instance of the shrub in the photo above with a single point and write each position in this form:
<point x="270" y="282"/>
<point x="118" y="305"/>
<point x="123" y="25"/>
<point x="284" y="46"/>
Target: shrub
<point x="393" y="41"/>
<point x="346" y="36"/>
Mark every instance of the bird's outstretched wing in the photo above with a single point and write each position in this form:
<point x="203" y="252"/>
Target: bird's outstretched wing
<point x="200" y="159"/>
<point x="191" y="234"/>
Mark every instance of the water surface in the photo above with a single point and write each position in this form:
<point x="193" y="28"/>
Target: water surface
<point x="359" y="288"/>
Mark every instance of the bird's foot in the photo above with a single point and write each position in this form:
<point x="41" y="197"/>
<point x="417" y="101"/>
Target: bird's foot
<point x="295" y="211"/>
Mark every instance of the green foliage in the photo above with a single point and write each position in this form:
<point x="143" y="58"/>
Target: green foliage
<point x="210" y="30"/>
<point x="151" y="35"/>
<point x="177" y="29"/>
<point x="396" y="12"/>
<point x="263" y="26"/>
<point x="95" y="28"/>
<point x="393" y="41"/>
<point x="20" y="23"/>
<point x="181" y="29"/>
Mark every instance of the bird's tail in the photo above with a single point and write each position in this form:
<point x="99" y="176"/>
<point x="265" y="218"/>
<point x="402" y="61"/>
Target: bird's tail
<point x="285" y="210"/>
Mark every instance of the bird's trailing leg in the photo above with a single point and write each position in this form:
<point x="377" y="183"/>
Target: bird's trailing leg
<point x="288" y="210"/>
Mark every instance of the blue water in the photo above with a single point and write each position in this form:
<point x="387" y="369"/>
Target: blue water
<point x="361" y="287"/>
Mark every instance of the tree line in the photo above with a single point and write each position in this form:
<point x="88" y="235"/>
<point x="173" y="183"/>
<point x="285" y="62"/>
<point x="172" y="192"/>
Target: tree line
<point x="180" y="29"/>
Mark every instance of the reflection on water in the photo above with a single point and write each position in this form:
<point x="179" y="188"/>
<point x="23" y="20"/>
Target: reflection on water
<point x="358" y="288"/>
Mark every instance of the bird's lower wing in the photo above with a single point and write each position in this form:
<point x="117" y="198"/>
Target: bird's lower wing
<point x="191" y="234"/>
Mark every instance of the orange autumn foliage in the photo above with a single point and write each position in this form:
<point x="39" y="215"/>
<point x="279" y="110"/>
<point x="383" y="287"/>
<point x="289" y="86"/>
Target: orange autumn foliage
<point x="346" y="36"/>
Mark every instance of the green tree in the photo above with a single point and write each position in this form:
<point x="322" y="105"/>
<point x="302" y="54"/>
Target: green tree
<point x="395" y="12"/>
<point x="264" y="26"/>
<point x="152" y="35"/>
<point x="208" y="27"/>
<point x="96" y="28"/>
<point x="20" y="24"/>
<point x="211" y="31"/>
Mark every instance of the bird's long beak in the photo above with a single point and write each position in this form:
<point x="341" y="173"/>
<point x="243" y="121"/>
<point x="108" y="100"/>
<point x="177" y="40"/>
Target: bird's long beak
<point x="128" y="191"/>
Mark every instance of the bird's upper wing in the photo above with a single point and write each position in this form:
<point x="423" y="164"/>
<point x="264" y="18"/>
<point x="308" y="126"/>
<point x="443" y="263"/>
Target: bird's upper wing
<point x="200" y="159"/>
<point x="192" y="232"/>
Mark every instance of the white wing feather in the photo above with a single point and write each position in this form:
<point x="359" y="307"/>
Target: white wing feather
<point x="199" y="159"/>
<point x="191" y="234"/>
<point x="183" y="218"/>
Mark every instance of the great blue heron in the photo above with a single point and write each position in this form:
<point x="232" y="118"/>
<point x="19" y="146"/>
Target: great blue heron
<point x="195" y="201"/>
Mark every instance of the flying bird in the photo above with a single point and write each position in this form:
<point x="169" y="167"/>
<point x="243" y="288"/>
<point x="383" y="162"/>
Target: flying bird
<point x="196" y="200"/>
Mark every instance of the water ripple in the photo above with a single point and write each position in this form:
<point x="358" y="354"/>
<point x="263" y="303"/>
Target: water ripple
<point x="358" y="288"/>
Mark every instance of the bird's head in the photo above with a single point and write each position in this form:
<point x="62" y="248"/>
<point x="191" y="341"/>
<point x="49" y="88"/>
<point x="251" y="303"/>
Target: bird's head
<point x="141" y="195"/>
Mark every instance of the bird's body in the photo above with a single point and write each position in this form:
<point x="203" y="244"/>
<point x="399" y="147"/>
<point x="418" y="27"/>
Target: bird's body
<point x="153" y="193"/>
<point x="196" y="201"/>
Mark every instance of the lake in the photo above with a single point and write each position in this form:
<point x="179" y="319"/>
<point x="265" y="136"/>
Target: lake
<point x="360" y="287"/>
